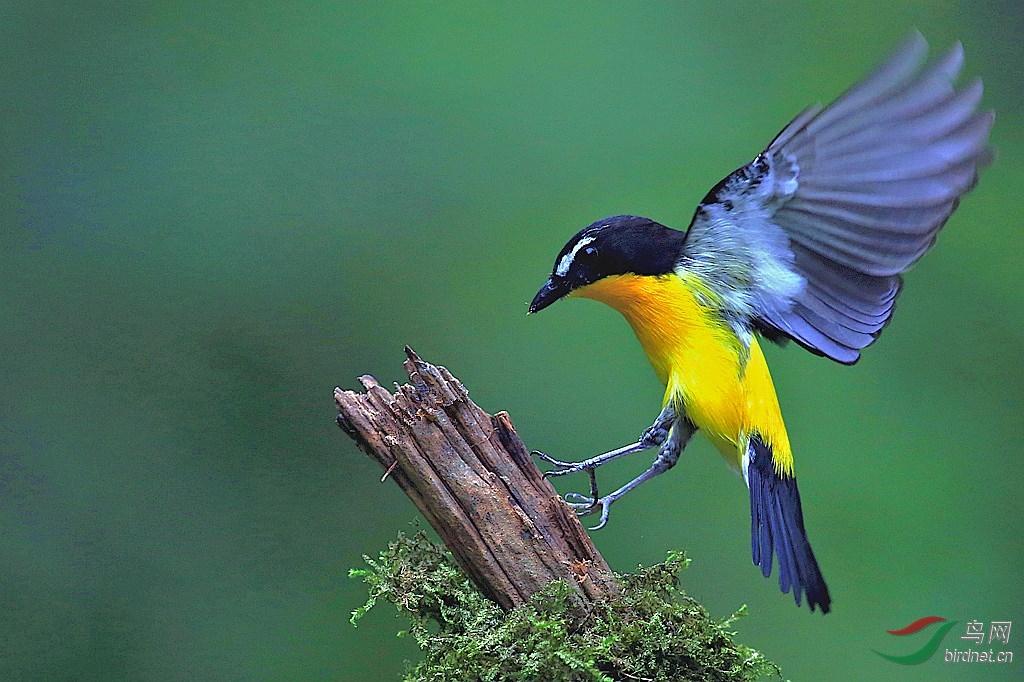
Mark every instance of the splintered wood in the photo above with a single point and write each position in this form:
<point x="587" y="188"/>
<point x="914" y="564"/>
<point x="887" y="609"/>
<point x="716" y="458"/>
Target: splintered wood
<point x="472" y="478"/>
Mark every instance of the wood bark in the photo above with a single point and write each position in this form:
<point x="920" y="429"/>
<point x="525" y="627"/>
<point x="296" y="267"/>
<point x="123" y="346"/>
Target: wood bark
<point x="474" y="481"/>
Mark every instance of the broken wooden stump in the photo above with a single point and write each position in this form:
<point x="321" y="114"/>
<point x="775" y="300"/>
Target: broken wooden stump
<point x="472" y="478"/>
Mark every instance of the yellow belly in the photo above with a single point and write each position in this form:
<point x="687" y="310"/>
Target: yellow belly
<point x="725" y="391"/>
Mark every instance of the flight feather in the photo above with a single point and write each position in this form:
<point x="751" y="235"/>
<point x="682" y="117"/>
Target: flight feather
<point x="808" y="240"/>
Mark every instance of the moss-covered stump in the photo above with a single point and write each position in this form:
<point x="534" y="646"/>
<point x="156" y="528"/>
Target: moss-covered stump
<point x="652" y="631"/>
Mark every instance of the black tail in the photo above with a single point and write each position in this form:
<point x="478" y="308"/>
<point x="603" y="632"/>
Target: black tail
<point x="777" y="525"/>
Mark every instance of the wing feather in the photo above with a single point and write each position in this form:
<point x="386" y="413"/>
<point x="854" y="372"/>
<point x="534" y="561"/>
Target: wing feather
<point x="811" y="237"/>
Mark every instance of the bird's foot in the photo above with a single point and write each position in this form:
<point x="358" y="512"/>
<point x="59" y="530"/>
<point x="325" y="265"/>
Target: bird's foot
<point x="585" y="505"/>
<point x="564" y="467"/>
<point x="582" y="504"/>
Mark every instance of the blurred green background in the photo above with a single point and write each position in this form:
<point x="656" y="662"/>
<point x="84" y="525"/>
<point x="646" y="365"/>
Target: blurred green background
<point x="213" y="213"/>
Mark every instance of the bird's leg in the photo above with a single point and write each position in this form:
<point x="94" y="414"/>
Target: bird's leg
<point x="668" y="455"/>
<point x="594" y="462"/>
<point x="653" y="436"/>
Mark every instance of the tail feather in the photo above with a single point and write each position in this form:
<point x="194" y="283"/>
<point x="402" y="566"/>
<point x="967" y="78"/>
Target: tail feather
<point x="777" y="527"/>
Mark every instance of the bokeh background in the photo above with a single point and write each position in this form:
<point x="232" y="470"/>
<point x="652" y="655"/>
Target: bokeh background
<point x="213" y="213"/>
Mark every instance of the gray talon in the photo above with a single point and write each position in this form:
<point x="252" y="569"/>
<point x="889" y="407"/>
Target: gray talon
<point x="563" y="467"/>
<point x="581" y="503"/>
<point x="590" y="506"/>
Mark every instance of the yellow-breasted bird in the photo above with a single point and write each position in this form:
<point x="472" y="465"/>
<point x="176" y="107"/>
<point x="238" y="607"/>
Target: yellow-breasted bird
<point x="806" y="242"/>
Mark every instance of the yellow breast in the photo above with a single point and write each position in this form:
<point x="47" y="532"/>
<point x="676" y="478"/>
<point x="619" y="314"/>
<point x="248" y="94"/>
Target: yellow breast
<point x="724" y="390"/>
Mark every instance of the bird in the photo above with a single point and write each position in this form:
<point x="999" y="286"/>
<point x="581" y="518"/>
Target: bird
<point x="806" y="243"/>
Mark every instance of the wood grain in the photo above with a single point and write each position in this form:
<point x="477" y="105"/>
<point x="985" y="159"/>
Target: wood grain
<point x="474" y="481"/>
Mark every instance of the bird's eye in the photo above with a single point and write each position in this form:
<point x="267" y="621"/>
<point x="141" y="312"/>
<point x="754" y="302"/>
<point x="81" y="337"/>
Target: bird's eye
<point x="589" y="252"/>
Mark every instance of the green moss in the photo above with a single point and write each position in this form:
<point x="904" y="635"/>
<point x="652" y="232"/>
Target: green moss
<point x="653" y="631"/>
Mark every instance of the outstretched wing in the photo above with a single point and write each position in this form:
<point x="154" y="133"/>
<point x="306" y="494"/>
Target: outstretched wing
<point x="808" y="240"/>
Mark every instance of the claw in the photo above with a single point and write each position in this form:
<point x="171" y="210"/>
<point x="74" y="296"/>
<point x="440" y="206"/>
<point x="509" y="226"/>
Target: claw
<point x="605" y="506"/>
<point x="588" y="505"/>
<point x="581" y="503"/>
<point x="549" y="459"/>
<point x="563" y="467"/>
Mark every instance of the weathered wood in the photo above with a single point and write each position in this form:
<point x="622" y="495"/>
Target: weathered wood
<point x="472" y="478"/>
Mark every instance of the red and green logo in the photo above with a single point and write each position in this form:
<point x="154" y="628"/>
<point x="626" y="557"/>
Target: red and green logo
<point x="929" y="648"/>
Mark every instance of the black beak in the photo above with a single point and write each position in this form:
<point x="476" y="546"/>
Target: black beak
<point x="549" y="293"/>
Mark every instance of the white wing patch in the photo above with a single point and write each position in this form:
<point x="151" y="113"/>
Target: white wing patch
<point x="566" y="262"/>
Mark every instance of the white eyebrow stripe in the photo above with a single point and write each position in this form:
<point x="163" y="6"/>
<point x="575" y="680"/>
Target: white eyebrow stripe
<point x="566" y="262"/>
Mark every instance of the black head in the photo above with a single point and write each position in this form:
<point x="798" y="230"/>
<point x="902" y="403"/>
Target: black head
<point x="613" y="246"/>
